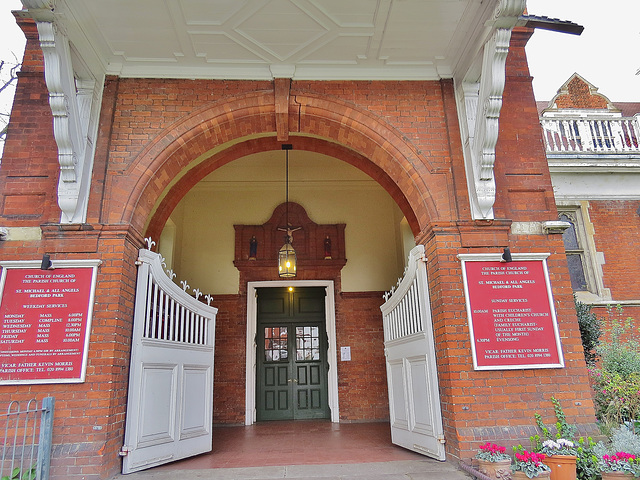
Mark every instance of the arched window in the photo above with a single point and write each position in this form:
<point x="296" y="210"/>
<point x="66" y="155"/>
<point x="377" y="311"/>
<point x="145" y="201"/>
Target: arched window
<point x="575" y="252"/>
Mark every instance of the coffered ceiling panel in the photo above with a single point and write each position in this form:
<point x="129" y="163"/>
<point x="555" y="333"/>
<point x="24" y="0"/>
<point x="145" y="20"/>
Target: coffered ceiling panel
<point x="352" y="13"/>
<point x="207" y="12"/>
<point x="417" y="39"/>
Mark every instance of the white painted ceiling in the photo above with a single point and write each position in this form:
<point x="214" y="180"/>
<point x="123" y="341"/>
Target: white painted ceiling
<point x="260" y="39"/>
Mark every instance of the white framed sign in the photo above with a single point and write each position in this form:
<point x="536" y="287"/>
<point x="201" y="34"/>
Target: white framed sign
<point x="512" y="320"/>
<point x="45" y="321"/>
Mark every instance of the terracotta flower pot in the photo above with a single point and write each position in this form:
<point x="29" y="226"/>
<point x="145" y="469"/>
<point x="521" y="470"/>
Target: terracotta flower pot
<point x="500" y="470"/>
<point x="523" y="476"/>
<point x="616" y="475"/>
<point x="563" y="467"/>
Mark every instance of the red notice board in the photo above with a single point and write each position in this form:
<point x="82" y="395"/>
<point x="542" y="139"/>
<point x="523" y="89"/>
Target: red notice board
<point x="512" y="321"/>
<point x="45" y="321"/>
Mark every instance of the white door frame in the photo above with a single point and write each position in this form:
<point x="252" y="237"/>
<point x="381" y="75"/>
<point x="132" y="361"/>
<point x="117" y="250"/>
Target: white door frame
<point x="252" y="325"/>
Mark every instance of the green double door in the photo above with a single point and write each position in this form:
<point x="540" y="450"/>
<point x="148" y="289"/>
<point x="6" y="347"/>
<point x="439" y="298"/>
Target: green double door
<point x="291" y="354"/>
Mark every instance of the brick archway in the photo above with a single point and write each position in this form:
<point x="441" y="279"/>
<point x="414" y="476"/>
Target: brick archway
<point x="182" y="186"/>
<point x="184" y="154"/>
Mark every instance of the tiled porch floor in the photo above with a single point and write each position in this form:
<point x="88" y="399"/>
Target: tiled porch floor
<point x="297" y="443"/>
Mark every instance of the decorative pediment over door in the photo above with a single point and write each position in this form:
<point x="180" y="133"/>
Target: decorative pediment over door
<point x="319" y="248"/>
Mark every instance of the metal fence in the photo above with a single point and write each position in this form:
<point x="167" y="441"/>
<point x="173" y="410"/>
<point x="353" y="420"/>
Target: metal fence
<point x="26" y="452"/>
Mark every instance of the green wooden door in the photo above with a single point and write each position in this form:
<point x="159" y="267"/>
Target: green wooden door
<point x="292" y="354"/>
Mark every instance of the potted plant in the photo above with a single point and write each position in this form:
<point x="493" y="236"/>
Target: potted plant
<point x="529" y="465"/>
<point x="493" y="461"/>
<point x="620" y="465"/>
<point x="560" y="458"/>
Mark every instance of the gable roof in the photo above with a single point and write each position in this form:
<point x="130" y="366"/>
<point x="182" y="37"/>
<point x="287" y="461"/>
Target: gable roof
<point x="579" y="94"/>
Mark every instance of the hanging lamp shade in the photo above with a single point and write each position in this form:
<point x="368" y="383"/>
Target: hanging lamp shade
<point x="287" y="260"/>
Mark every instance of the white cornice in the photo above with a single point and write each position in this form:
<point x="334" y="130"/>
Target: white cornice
<point x="576" y="184"/>
<point x="264" y="72"/>
<point x="577" y="165"/>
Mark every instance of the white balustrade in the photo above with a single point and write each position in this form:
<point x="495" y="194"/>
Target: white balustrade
<point x="600" y="136"/>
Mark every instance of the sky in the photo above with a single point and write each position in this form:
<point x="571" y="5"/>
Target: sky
<point x="607" y="54"/>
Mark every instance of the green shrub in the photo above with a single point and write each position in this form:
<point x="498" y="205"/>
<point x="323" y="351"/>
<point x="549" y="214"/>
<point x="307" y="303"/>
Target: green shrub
<point x="621" y="352"/>
<point x="590" y="331"/>
<point x="617" y="398"/>
<point x="587" y="460"/>
<point x="563" y="429"/>
<point x="616" y="384"/>
<point x="624" y="439"/>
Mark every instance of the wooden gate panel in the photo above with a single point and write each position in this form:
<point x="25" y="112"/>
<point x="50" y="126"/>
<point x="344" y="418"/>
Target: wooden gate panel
<point x="170" y="404"/>
<point x="412" y="376"/>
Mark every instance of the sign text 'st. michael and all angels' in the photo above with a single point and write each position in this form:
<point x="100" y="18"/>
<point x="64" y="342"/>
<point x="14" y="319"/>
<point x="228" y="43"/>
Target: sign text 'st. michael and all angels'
<point x="45" y="321"/>
<point x="512" y="320"/>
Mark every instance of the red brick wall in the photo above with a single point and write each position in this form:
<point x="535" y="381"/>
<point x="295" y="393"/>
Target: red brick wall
<point x="362" y="382"/>
<point x="89" y="417"/>
<point x="616" y="227"/>
<point x="229" y="362"/>
<point x="617" y="234"/>
<point x="30" y="166"/>
<point x="579" y="96"/>
<point x="130" y="196"/>
<point x="521" y="166"/>
<point x="479" y="406"/>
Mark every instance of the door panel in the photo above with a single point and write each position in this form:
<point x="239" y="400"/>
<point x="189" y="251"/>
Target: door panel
<point x="311" y="374"/>
<point x="421" y="419"/>
<point x="157" y="423"/>
<point x="397" y="398"/>
<point x="194" y="408"/>
<point x="275" y="388"/>
<point x="292" y="355"/>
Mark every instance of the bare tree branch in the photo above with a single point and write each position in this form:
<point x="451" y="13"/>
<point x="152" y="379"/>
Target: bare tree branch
<point x="13" y="75"/>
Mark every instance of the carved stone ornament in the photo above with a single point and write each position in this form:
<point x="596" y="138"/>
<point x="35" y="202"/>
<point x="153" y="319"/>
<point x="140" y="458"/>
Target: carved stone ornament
<point x="74" y="104"/>
<point x="482" y="101"/>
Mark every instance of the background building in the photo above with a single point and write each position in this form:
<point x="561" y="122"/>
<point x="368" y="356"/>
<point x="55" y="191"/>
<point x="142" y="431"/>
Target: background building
<point x="593" y="153"/>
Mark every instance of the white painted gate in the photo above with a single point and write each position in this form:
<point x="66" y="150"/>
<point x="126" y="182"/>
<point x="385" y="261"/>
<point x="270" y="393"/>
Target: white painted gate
<point x="412" y="377"/>
<point x="170" y="405"/>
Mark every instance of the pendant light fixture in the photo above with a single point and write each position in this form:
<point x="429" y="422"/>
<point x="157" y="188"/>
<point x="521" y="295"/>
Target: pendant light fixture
<point x="287" y="255"/>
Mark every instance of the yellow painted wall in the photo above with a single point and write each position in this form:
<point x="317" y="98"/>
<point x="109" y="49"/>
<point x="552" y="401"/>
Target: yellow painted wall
<point x="247" y="191"/>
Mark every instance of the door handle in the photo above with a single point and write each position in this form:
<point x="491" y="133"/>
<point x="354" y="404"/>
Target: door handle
<point x="293" y="380"/>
